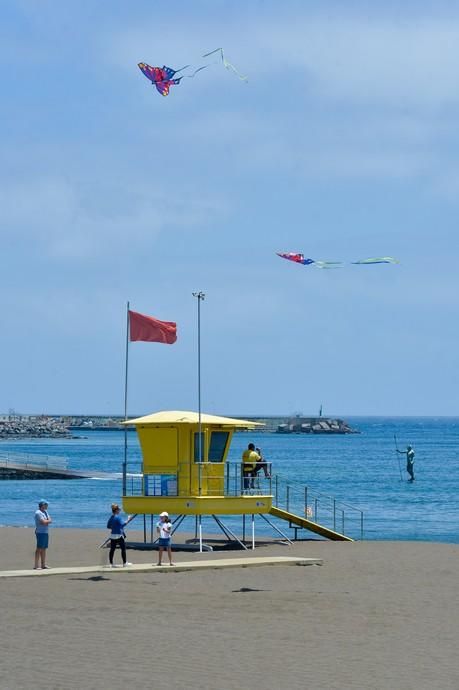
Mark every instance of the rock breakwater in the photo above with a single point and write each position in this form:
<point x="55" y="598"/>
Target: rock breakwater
<point x="315" y="425"/>
<point x="33" y="427"/>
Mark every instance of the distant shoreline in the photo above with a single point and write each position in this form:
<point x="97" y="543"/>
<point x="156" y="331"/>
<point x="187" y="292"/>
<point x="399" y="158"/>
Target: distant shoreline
<point x="249" y="416"/>
<point x="51" y="427"/>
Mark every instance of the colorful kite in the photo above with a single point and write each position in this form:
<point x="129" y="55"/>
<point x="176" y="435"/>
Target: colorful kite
<point x="163" y="77"/>
<point x="298" y="258"/>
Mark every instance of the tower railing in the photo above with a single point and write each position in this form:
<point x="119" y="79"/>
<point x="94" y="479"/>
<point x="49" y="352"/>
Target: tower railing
<point x="206" y="479"/>
<point x="307" y="502"/>
<point x="229" y="480"/>
<point x="32" y="461"/>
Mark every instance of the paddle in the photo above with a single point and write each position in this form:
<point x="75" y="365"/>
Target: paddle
<point x="398" y="458"/>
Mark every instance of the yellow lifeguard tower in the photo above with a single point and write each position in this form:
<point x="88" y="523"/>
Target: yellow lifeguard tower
<point x="185" y="471"/>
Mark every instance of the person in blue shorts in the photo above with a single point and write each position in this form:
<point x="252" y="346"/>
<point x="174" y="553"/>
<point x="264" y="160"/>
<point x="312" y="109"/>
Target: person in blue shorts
<point x="164" y="529"/>
<point x="42" y="521"/>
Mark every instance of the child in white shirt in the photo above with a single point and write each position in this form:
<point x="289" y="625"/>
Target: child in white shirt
<point x="164" y="529"/>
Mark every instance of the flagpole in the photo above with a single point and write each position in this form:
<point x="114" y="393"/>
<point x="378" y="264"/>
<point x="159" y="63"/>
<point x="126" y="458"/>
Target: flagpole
<point x="200" y="296"/>
<point x="125" y="399"/>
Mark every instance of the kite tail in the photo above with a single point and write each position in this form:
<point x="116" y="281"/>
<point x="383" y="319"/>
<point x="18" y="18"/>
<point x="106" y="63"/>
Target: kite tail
<point x="212" y="52"/>
<point x="190" y="76"/>
<point x="328" y="264"/>
<point x="226" y="64"/>
<point x="181" y="69"/>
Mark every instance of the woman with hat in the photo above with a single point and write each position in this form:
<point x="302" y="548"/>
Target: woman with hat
<point x="164" y="529"/>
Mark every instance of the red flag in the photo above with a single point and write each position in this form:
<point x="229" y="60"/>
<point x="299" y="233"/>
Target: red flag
<point x="151" y="330"/>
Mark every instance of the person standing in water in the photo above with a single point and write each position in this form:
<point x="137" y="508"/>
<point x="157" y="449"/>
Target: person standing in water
<point x="409" y="452"/>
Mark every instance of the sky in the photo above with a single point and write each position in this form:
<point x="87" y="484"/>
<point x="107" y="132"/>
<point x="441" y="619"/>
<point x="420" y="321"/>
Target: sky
<point x="343" y="145"/>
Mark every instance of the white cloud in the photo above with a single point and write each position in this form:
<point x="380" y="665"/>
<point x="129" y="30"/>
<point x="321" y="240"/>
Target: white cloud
<point x="409" y="64"/>
<point x="55" y="215"/>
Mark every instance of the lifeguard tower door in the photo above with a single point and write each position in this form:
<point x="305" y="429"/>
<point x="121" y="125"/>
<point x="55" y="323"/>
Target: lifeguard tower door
<point x="208" y="470"/>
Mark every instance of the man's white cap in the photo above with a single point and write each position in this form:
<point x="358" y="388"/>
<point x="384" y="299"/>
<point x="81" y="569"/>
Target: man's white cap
<point x="164" y="514"/>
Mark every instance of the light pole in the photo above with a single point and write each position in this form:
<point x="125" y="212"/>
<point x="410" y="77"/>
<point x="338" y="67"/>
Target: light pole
<point x="200" y="296"/>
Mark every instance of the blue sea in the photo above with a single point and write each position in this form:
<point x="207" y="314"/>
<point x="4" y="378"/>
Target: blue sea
<point x="359" y="469"/>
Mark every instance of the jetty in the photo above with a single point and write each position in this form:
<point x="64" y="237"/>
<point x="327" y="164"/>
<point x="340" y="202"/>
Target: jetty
<point x="32" y="466"/>
<point x="28" y="426"/>
<point x="281" y="424"/>
<point x="63" y="426"/>
<point x="314" y="425"/>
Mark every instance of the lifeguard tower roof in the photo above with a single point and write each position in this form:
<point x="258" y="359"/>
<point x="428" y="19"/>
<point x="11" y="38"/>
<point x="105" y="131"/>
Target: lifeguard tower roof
<point x="183" y="417"/>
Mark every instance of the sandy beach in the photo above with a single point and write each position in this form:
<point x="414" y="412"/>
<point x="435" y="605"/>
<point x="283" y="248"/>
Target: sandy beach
<point x="376" y="615"/>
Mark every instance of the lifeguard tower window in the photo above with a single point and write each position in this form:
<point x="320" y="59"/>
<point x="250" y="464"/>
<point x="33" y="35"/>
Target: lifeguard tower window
<point x="197" y="448"/>
<point x="218" y="441"/>
<point x="160" y="484"/>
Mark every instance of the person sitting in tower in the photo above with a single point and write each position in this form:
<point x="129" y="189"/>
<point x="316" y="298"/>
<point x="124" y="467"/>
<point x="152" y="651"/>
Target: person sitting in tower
<point x="250" y="458"/>
<point x="262" y="465"/>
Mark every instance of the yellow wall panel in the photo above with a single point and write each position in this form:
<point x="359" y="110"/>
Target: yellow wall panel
<point x="160" y="448"/>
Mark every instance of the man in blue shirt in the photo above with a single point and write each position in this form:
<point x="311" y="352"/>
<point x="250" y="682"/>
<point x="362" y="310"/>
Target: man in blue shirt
<point x="42" y="520"/>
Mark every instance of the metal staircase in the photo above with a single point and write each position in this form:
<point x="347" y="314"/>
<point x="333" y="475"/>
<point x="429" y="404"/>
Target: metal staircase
<point x="305" y="508"/>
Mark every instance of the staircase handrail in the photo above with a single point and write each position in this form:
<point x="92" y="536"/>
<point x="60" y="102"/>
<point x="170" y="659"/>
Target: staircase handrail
<point x="299" y="500"/>
<point x="299" y="486"/>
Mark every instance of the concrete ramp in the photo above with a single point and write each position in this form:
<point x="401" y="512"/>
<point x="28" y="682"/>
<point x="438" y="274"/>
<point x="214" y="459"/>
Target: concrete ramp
<point x="183" y="566"/>
<point x="10" y="469"/>
<point x="308" y="524"/>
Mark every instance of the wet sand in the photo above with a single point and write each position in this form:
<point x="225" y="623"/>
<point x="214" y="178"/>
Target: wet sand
<point x="375" y="616"/>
